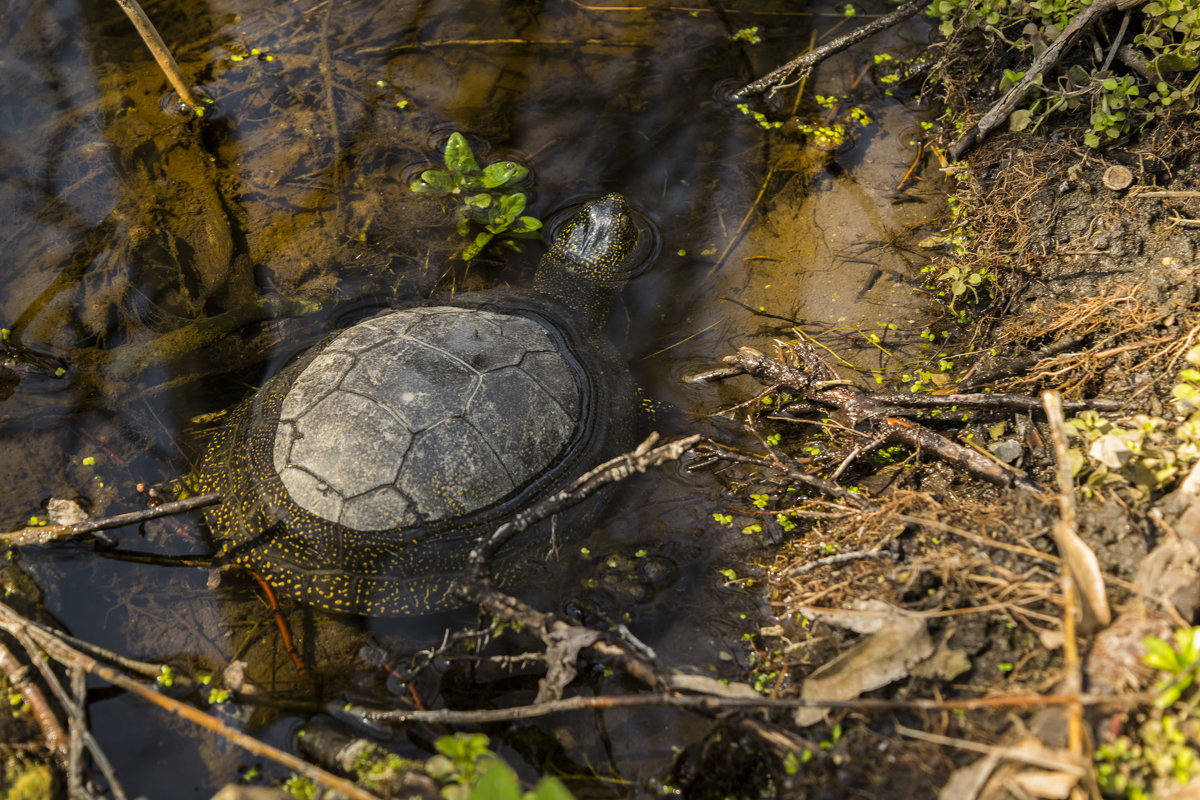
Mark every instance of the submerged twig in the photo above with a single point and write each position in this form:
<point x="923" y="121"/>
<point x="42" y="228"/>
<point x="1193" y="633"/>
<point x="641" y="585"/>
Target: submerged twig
<point x="476" y="585"/>
<point x="806" y="62"/>
<point x="44" y="534"/>
<point x="17" y="676"/>
<point x="158" y="49"/>
<point x="62" y="652"/>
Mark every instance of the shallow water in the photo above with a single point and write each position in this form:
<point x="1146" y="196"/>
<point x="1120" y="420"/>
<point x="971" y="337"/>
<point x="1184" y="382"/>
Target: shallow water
<point x="171" y="266"/>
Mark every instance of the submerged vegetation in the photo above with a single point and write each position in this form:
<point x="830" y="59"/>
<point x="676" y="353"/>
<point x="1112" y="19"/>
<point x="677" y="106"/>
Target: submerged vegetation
<point x="488" y="197"/>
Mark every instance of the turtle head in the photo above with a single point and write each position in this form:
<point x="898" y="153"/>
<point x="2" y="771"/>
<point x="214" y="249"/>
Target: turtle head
<point x="591" y="256"/>
<point x="596" y="241"/>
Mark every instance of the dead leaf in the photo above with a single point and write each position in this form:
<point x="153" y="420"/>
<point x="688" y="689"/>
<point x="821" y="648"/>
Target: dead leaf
<point x="901" y="641"/>
<point x="561" y="655"/>
<point x="1086" y="574"/>
<point x="1045" y="783"/>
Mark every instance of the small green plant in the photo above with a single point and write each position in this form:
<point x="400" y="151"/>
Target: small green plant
<point x="1110" y="117"/>
<point x="1116" y="103"/>
<point x="1163" y="749"/>
<point x="747" y="35"/>
<point x="1143" y="452"/>
<point x="490" y="204"/>
<point x="960" y="280"/>
<point x="467" y="770"/>
<point x="760" y="119"/>
<point x="1178" y="661"/>
<point x="1186" y="394"/>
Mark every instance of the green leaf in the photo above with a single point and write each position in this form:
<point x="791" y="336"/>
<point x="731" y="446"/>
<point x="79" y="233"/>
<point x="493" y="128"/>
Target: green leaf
<point x="1160" y="654"/>
<point x="511" y="207"/>
<point x="503" y="174"/>
<point x="1173" y="62"/>
<point x="459" y="157"/>
<point x="481" y="200"/>
<point x="1169" y="697"/>
<point x="435" y="182"/>
<point x="1187" y="643"/>
<point x="550" y="788"/>
<point x="499" y="782"/>
<point x="1019" y="120"/>
<point x="1109" y="84"/>
<point x="526" y="225"/>
<point x="475" y="247"/>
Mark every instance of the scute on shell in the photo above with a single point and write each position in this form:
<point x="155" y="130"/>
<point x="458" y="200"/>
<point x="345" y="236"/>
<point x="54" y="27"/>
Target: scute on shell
<point x="424" y="414"/>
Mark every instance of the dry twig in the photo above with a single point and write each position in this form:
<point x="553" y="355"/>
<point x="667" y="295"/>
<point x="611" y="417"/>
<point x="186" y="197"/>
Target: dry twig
<point x="35" y="637"/>
<point x="777" y="77"/>
<point x="1049" y="57"/>
<point x="158" y="48"/>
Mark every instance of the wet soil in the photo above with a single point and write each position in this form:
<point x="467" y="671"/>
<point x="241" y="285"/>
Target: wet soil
<point x="1109" y="277"/>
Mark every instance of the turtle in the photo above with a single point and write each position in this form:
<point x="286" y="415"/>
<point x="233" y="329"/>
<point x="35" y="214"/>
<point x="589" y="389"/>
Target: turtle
<point x="358" y="478"/>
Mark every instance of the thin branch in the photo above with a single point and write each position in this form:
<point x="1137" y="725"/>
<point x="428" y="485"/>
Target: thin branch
<point x="712" y="705"/>
<point x="44" y="534"/>
<point x="809" y="60"/>
<point x="1049" y="57"/>
<point x="65" y="654"/>
<point x="158" y="49"/>
<point x="865" y="410"/>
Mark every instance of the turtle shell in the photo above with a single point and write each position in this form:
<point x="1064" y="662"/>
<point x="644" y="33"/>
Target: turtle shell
<point x="359" y="477"/>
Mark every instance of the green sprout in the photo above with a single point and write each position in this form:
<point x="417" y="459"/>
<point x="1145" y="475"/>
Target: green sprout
<point x="1161" y="749"/>
<point x="490" y="205"/>
<point x="747" y="35"/>
<point x="166" y="677"/>
<point x="1179" y="661"/>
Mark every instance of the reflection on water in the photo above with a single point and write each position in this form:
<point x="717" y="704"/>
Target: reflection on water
<point x="171" y="265"/>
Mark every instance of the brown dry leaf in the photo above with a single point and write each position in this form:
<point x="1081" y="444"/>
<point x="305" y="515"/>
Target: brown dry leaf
<point x="561" y="657"/>
<point x="1038" y="771"/>
<point x="901" y="641"/>
<point x="1086" y="574"/>
<point x="965" y="783"/>
<point x="702" y="684"/>
<point x="1052" y="785"/>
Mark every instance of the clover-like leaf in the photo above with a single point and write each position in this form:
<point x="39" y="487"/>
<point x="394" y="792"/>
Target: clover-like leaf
<point x="459" y="158"/>
<point x="434" y="182"/>
<point x="474" y="248"/>
<point x="526" y="225"/>
<point x="503" y="174"/>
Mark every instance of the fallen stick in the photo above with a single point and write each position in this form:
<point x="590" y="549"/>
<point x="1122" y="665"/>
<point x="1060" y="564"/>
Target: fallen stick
<point x="773" y="79"/>
<point x="45" y="534"/>
<point x="67" y="655"/>
<point x="1049" y="57"/>
<point x="865" y="411"/>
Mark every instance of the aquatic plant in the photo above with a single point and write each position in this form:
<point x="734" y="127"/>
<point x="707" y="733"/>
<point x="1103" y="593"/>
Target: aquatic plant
<point x="489" y="202"/>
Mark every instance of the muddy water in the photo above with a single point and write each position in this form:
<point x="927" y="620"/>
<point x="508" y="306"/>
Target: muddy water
<point x="169" y="266"/>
